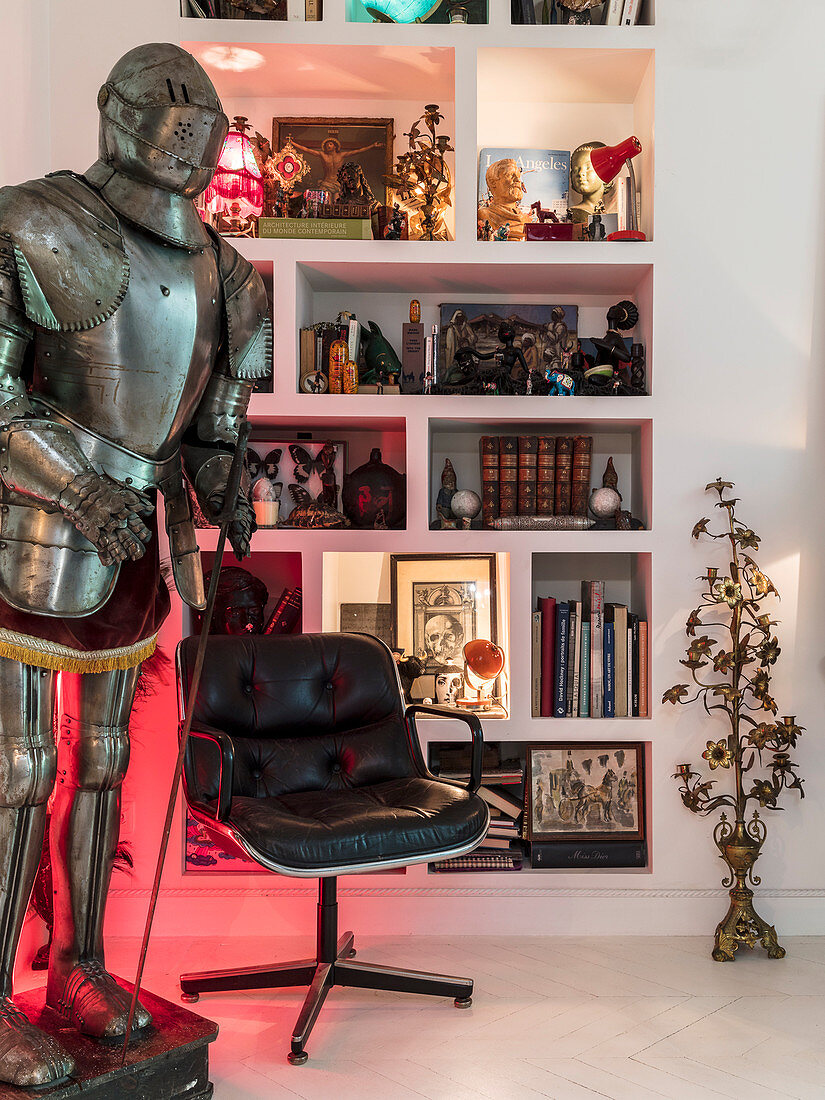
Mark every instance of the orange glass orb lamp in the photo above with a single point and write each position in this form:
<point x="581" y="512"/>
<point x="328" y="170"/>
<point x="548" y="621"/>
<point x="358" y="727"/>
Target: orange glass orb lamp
<point x="483" y="664"/>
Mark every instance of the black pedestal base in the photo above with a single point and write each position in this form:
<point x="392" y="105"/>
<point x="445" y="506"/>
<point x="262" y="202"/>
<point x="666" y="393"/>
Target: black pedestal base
<point x="331" y="966"/>
<point x="170" y="1059"/>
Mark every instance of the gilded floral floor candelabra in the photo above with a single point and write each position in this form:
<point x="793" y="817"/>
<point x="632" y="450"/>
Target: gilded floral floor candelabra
<point x="739" y="668"/>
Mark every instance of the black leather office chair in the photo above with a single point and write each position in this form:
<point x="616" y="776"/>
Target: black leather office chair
<point x="304" y="758"/>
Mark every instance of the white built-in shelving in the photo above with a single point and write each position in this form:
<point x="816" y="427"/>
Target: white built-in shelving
<point x="497" y="85"/>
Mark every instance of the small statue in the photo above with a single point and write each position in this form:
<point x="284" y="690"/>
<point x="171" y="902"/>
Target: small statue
<point x="309" y="514"/>
<point x="485" y="230"/>
<point x="409" y="669"/>
<point x="353" y="186"/>
<point x="378" y="354"/>
<point x="445" y="496"/>
<point x="606" y="504"/>
<point x="595" y="197"/>
<point x="561" y="384"/>
<point x="611" y="373"/>
<point x="637" y="367"/>
<point x="502" y="233"/>
<point x="512" y="370"/>
<point x="329" y="493"/>
<point x="393" y="231"/>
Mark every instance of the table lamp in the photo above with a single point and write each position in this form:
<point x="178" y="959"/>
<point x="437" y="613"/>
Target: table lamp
<point x="235" y="197"/>
<point x="483" y="664"/>
<point x="607" y="163"/>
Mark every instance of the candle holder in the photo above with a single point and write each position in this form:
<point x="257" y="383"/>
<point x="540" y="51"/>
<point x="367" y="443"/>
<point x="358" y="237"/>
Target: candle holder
<point x="731" y="677"/>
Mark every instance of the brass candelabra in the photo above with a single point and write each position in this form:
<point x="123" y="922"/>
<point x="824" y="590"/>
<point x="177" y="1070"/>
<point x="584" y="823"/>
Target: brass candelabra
<point x="735" y="685"/>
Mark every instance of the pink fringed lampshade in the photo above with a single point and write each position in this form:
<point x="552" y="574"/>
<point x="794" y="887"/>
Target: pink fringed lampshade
<point x="237" y="179"/>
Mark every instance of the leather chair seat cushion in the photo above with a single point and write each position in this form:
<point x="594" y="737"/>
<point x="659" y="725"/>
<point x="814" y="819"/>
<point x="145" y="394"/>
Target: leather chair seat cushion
<point x="399" y="819"/>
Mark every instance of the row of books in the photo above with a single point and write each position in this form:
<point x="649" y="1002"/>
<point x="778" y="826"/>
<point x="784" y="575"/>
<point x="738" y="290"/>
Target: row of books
<point x="589" y="658"/>
<point x="500" y="850"/>
<point x="534" y="475"/>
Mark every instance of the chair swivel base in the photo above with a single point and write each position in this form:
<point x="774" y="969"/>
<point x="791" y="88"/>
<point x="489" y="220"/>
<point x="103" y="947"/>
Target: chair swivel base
<point x="332" y="966"/>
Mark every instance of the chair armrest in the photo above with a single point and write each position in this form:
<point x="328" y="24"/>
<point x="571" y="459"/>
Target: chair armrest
<point x="467" y="717"/>
<point x="223" y="742"/>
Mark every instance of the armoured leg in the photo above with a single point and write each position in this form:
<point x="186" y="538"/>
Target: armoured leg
<point x="94" y="755"/>
<point x="27" y="764"/>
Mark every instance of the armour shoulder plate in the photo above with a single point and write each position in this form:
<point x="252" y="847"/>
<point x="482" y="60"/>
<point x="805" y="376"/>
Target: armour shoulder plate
<point x="71" y="264"/>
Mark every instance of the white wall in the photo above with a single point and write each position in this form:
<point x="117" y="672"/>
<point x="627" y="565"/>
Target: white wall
<point x="740" y="391"/>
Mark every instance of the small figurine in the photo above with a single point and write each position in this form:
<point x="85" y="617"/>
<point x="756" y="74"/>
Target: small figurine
<point x="415" y="312"/>
<point x="308" y="513"/>
<point x="378" y="354"/>
<point x="502" y="233"/>
<point x="637" y="367"/>
<point x="605" y="504"/>
<point x="445" y="496"/>
<point x="511" y="371"/>
<point x="543" y="215"/>
<point x="409" y="669"/>
<point x="240" y="602"/>
<point x="393" y="231"/>
<point x="561" y="384"/>
<point x="329" y="492"/>
<point x="338" y="357"/>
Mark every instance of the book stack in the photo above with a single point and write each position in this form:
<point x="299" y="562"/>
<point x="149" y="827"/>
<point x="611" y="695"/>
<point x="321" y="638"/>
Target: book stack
<point x="534" y="475"/>
<point x="501" y="779"/>
<point x="589" y="658"/>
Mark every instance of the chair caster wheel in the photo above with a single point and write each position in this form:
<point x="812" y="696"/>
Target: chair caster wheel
<point x="463" y="1002"/>
<point x="351" y="953"/>
<point x="190" y="998"/>
<point x="297" y="1058"/>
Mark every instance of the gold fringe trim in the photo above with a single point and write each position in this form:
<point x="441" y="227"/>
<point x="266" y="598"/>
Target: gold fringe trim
<point x="61" y="658"/>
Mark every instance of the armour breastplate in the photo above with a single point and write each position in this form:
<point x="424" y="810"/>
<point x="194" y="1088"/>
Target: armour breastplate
<point x="137" y="378"/>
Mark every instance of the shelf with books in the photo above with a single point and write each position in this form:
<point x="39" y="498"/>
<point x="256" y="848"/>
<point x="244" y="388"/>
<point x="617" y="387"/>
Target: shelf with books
<point x="614" y="15"/>
<point x="584" y="664"/>
<point x="519" y="467"/>
<point x="534" y="98"/>
<point x="555" y="807"/>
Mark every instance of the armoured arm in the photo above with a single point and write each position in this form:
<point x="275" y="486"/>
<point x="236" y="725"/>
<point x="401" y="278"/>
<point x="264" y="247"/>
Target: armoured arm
<point x="42" y="460"/>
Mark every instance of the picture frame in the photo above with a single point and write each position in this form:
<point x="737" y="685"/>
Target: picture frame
<point x="368" y="141"/>
<point x="545" y="333"/>
<point x="588" y="790"/>
<point x="441" y="601"/>
<point x="299" y="463"/>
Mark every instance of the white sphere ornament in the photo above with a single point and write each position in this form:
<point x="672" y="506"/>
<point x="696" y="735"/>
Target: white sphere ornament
<point x="465" y="504"/>
<point x="605" y="503"/>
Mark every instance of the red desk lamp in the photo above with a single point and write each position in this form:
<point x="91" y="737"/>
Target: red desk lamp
<point x="607" y="163"/>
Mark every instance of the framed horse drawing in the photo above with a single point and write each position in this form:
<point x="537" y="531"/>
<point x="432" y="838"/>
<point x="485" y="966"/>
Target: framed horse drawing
<point x="588" y="789"/>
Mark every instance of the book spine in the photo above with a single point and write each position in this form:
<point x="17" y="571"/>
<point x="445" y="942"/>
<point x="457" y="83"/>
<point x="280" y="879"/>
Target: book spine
<point x="571" y="653"/>
<point x="564" y="473"/>
<point x="547" y="607"/>
<point x="577" y="658"/>
<point x="546" y="475"/>
<point x="354" y="340"/>
<point x="609" y="670"/>
<point x="508" y="475"/>
<point x="488" y="446"/>
<point x="535" y="651"/>
<point x="643" y="669"/>
<point x="527" y="454"/>
<point x="312" y="11"/>
<point x="596" y="649"/>
<point x="560" y="678"/>
<point x="436" y="365"/>
<point x="428" y="360"/>
<point x="629" y="688"/>
<point x="619" y="617"/>
<point x="580" y="478"/>
<point x="634" y="697"/>
<point x="584" y="697"/>
<point x="412" y="352"/>
<point x="615" y="10"/>
<point x="630" y="13"/>
<point x="589" y="854"/>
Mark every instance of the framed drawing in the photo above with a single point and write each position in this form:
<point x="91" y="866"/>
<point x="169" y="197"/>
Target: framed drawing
<point x="328" y="143"/>
<point x="593" y="790"/>
<point x="440" y="602"/>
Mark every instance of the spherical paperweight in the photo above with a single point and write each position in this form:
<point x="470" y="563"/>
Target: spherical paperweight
<point x="465" y="504"/>
<point x="605" y="503"/>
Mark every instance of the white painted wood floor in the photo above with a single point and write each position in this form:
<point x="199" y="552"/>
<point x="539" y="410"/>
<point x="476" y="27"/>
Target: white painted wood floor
<point x="551" y="1017"/>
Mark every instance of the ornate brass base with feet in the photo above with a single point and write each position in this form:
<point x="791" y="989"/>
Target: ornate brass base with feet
<point x="740" y="845"/>
<point x="332" y="966"/>
<point x="744" y="925"/>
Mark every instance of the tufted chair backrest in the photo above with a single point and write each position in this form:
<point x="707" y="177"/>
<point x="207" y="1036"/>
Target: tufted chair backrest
<point x="304" y="711"/>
